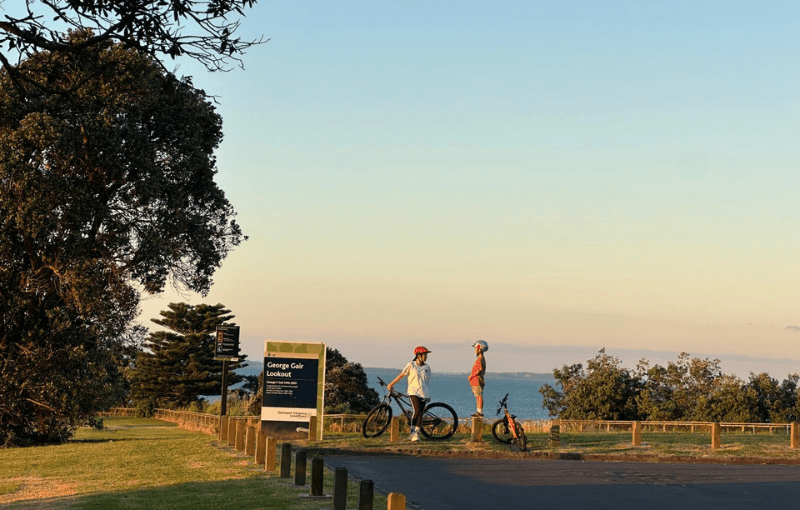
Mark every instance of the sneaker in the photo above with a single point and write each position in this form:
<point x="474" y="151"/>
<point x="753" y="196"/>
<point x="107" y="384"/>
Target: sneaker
<point x="415" y="437"/>
<point x="413" y="433"/>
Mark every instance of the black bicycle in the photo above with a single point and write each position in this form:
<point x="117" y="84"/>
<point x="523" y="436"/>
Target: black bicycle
<point x="508" y="430"/>
<point x="439" y="420"/>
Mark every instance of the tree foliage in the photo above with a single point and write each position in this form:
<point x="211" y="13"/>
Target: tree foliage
<point x="106" y="188"/>
<point x="346" y="387"/>
<point x="178" y="366"/>
<point x="202" y="30"/>
<point x="687" y="389"/>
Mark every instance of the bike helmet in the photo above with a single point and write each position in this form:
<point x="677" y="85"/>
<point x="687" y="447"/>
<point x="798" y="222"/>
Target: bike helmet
<point x="484" y="345"/>
<point x="421" y="350"/>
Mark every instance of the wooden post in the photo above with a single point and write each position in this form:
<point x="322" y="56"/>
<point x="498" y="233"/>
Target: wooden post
<point x="366" y="491"/>
<point x="637" y="433"/>
<point x="300" y="468"/>
<point x="272" y="451"/>
<point x="232" y="431"/>
<point x="394" y="429"/>
<point x="286" y="460"/>
<point x="340" y="489"/>
<point x="795" y="441"/>
<point x="223" y="429"/>
<point x="261" y="447"/>
<point x="250" y="441"/>
<point x="477" y="429"/>
<point x="312" y="428"/>
<point x="396" y="501"/>
<point x="715" y="435"/>
<point x="555" y="434"/>
<point x="317" y="471"/>
<point x="240" y="426"/>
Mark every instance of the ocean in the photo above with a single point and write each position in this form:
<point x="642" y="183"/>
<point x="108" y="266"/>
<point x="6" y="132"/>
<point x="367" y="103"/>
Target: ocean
<point x="524" y="399"/>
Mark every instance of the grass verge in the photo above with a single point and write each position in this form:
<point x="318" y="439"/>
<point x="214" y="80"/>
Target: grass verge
<point x="136" y="463"/>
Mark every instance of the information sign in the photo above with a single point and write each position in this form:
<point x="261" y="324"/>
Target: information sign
<point x="294" y="383"/>
<point x="227" y="344"/>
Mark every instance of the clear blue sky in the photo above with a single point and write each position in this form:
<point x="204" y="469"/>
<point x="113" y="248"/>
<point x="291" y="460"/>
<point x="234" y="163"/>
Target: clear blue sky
<point x="619" y="173"/>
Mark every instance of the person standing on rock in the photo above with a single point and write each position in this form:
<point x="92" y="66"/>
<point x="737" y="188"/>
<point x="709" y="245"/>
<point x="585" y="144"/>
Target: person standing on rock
<point x="476" y="377"/>
<point x="419" y="374"/>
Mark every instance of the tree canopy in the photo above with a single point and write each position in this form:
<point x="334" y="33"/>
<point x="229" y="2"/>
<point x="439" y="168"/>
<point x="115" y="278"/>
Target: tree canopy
<point x="203" y="30"/>
<point x="178" y="366"/>
<point x="687" y="389"/>
<point x="106" y="189"/>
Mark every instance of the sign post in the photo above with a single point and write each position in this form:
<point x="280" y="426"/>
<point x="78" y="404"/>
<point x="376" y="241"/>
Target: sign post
<point x="294" y="389"/>
<point x="227" y="349"/>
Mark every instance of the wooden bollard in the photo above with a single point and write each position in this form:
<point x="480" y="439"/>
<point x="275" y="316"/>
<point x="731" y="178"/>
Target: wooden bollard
<point x="272" y="452"/>
<point x="340" y="489"/>
<point x="477" y="429"/>
<point x="286" y="460"/>
<point x="240" y="426"/>
<point x="716" y="441"/>
<point x="250" y="441"/>
<point x="232" y="431"/>
<point x="312" y="428"/>
<point x="396" y="501"/>
<point x="366" y="491"/>
<point x="795" y="436"/>
<point x="394" y="429"/>
<point x="637" y="433"/>
<point x="261" y="447"/>
<point x="223" y="429"/>
<point x="555" y="435"/>
<point x="300" y="468"/>
<point x="317" y="471"/>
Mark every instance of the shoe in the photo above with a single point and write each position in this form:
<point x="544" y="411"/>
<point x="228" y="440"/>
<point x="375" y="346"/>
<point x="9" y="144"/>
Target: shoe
<point x="413" y="434"/>
<point x="415" y="437"/>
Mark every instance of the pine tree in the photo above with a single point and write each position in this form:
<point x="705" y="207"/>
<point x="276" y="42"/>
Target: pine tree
<point x="178" y="366"/>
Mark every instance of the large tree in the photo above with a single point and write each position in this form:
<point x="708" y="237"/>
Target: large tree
<point x="178" y="366"/>
<point x="106" y="189"/>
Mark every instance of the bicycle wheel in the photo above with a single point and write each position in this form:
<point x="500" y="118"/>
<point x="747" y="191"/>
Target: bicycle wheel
<point x="439" y="421"/>
<point x="522" y="440"/>
<point x="377" y="421"/>
<point x="501" y="433"/>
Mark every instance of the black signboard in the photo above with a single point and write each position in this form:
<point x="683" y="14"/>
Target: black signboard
<point x="227" y="344"/>
<point x="291" y="383"/>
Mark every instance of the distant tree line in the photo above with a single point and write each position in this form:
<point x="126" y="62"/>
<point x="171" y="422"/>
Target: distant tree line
<point x="689" y="389"/>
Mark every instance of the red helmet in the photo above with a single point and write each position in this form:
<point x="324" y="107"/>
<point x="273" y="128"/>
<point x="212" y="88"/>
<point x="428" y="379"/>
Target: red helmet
<point x="421" y="350"/>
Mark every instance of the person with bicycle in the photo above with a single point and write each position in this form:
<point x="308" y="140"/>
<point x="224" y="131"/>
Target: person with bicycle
<point x="476" y="380"/>
<point x="419" y="374"/>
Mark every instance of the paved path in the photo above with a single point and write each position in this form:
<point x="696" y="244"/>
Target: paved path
<point x="463" y="484"/>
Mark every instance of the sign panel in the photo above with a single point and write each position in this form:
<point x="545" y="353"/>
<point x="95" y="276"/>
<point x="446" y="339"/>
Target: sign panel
<point x="294" y="388"/>
<point x="227" y="344"/>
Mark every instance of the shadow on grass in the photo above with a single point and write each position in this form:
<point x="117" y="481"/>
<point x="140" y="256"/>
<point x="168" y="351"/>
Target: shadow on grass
<point x="257" y="492"/>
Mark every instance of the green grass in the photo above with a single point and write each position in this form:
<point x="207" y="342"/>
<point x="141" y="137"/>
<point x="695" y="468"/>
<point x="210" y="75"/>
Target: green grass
<point x="136" y="463"/>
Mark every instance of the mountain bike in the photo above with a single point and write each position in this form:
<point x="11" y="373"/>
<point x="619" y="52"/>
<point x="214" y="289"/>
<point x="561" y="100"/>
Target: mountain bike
<point x="508" y="430"/>
<point x="439" y="420"/>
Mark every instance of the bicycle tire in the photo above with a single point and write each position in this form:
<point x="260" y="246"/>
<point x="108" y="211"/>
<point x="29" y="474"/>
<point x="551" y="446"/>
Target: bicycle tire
<point x="501" y="433"/>
<point x="377" y="421"/>
<point x="439" y="421"/>
<point x="522" y="440"/>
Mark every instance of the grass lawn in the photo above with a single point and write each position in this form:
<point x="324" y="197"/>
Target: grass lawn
<point x="138" y="463"/>
<point x="734" y="445"/>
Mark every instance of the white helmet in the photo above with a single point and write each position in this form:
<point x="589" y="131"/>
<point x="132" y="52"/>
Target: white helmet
<point x="484" y="346"/>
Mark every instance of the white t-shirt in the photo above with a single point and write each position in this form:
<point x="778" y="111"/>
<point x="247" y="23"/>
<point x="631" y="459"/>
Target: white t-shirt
<point x="418" y="377"/>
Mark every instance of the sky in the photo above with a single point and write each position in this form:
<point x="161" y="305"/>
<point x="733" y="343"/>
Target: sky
<point x="553" y="177"/>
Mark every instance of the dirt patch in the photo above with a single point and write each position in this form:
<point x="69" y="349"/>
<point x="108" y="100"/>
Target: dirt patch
<point x="39" y="489"/>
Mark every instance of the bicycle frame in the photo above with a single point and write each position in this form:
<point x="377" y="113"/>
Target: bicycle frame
<point x="400" y="399"/>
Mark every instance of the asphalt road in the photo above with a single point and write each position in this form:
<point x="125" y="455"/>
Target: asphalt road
<point x="463" y="484"/>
